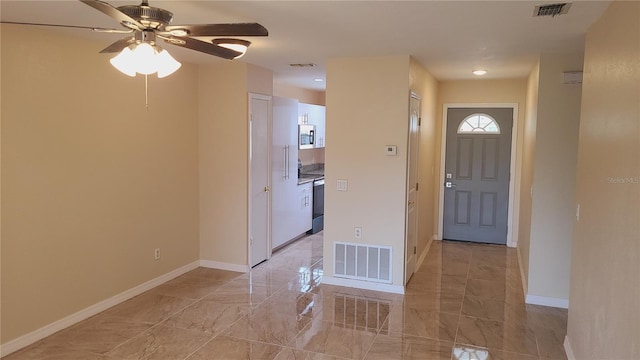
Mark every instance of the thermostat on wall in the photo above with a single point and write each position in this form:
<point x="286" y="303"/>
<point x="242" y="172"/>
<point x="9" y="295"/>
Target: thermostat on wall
<point x="572" y="77"/>
<point x="391" y="150"/>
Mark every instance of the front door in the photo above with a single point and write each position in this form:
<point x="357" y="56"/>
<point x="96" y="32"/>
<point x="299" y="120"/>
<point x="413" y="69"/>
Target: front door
<point x="412" y="188"/>
<point x="260" y="143"/>
<point x="477" y="170"/>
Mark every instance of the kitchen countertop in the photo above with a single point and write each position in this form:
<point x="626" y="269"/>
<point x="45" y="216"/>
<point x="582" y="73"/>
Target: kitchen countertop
<point x="310" y="173"/>
<point x="305" y="178"/>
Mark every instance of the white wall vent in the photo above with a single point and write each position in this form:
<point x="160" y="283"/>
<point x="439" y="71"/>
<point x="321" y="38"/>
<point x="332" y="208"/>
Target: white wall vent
<point x="362" y="262"/>
<point x="551" y="9"/>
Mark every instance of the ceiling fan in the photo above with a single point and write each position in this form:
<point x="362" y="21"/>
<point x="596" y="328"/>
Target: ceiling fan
<point x="149" y="23"/>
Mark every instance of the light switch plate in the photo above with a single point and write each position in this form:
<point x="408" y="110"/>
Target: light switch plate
<point x="342" y="185"/>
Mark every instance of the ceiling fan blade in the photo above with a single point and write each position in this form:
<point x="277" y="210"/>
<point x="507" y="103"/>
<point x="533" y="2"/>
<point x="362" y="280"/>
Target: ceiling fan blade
<point x="113" y="12"/>
<point x="118" y="45"/>
<point x="116" y="31"/>
<point x="205" y="47"/>
<point x="238" y="29"/>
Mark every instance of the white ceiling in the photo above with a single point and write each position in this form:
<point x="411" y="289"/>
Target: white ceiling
<point x="450" y="38"/>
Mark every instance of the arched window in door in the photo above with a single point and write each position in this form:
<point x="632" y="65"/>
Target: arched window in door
<point x="479" y="123"/>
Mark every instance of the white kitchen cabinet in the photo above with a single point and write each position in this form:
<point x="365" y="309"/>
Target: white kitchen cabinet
<point x="305" y="207"/>
<point x="314" y="115"/>
<point x="285" y="215"/>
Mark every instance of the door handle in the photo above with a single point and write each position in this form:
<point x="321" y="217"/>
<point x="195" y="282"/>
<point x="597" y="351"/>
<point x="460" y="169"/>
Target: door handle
<point x="285" y="159"/>
<point x="284" y="162"/>
<point x="287" y="156"/>
<point x="266" y="189"/>
<point x="411" y="202"/>
<point x="449" y="185"/>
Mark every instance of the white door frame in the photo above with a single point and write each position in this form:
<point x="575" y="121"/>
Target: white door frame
<point x="511" y="220"/>
<point x="249" y="175"/>
<point x="416" y="209"/>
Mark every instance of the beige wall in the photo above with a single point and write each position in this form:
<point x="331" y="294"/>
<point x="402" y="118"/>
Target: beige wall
<point x="526" y="172"/>
<point x="367" y="108"/>
<point x="425" y="86"/>
<point x="259" y="80"/>
<point x="92" y="181"/>
<point x="554" y="173"/>
<point x="481" y="91"/>
<point x="303" y="95"/>
<point x="224" y="157"/>
<point x="604" y="316"/>
<point x="0" y="188"/>
<point x="224" y="149"/>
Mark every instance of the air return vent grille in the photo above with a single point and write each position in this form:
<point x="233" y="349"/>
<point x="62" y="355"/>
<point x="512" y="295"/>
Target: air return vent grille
<point x="551" y="9"/>
<point x="362" y="262"/>
<point x="303" y="65"/>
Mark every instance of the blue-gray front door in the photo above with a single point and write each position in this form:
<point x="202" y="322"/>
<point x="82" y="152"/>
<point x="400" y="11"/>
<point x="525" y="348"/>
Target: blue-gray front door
<point x="477" y="170"/>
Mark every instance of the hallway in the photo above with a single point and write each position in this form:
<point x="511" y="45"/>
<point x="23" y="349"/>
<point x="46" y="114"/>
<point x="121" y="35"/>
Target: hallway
<point x="465" y="302"/>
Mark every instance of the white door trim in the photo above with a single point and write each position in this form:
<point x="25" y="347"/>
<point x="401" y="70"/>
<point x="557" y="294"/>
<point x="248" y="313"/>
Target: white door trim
<point x="512" y="240"/>
<point x="412" y="95"/>
<point x="249" y="174"/>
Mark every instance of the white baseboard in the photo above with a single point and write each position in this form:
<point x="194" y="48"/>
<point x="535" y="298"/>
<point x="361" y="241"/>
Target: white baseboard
<point x="423" y="255"/>
<point x="567" y="348"/>
<point x="41" y="333"/>
<point x="547" y="301"/>
<point x="224" y="266"/>
<point x="367" y="285"/>
<point x="523" y="278"/>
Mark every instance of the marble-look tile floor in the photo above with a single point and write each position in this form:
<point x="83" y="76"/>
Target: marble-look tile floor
<point x="464" y="302"/>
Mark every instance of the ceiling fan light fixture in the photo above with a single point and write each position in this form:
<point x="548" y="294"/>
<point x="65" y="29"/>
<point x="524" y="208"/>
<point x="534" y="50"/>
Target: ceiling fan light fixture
<point x="167" y="65"/>
<point x="145" y="59"/>
<point x="179" y="32"/>
<point x="124" y="62"/>
<point x="479" y="72"/>
<point x="238" y="45"/>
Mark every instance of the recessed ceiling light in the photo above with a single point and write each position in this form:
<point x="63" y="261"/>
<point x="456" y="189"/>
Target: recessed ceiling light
<point x="479" y="72"/>
<point x="318" y="80"/>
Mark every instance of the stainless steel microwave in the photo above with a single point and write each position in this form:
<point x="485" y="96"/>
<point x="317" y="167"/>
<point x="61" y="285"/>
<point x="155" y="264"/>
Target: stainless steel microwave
<point x="306" y="136"/>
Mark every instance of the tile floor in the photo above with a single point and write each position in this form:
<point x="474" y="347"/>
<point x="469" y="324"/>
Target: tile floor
<point x="465" y="302"/>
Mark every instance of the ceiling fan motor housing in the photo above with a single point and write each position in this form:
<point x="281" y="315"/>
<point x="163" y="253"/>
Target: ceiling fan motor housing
<point x="151" y="17"/>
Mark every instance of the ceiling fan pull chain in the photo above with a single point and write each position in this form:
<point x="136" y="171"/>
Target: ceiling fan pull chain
<point x="146" y="92"/>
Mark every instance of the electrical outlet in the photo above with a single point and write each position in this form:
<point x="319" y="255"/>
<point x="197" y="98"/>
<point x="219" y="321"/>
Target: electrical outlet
<point x="357" y="232"/>
<point x="156" y="254"/>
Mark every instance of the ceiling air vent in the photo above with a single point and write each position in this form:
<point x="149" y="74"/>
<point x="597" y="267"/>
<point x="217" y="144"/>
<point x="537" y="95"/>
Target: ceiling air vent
<point x="551" y="9"/>
<point x="303" y="65"/>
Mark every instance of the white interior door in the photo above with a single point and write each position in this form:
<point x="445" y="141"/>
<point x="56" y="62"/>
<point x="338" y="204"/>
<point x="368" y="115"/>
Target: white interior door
<point x="412" y="188"/>
<point x="260" y="178"/>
